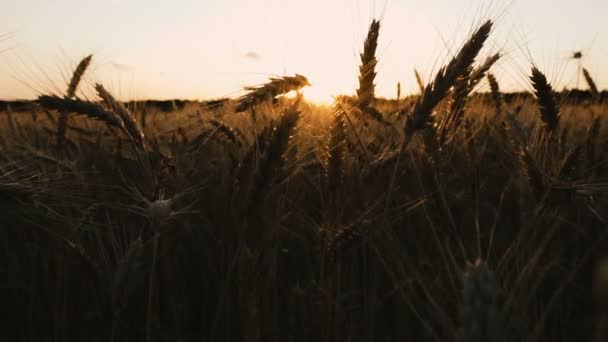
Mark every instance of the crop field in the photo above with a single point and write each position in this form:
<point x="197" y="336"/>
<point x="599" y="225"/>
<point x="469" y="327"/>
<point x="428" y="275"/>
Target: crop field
<point x="450" y="214"/>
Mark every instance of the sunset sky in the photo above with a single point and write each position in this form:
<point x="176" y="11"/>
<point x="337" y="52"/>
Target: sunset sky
<point x="207" y="49"/>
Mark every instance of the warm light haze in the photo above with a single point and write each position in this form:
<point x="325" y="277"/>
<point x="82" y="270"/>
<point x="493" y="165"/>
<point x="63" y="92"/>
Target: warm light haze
<point x="208" y="49"/>
<point x="304" y="170"/>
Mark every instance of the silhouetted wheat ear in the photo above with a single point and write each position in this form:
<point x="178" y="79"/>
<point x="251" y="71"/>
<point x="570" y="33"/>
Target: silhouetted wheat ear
<point x="247" y="168"/>
<point x="536" y="180"/>
<point x="77" y="76"/>
<point x="218" y="127"/>
<point x="495" y="90"/>
<point x="277" y="86"/>
<point x="480" y="72"/>
<point x="336" y="150"/>
<point x="352" y="105"/>
<point x="481" y="314"/>
<point x="591" y="83"/>
<point x="143" y="117"/>
<point x="571" y="164"/>
<point x="460" y="94"/>
<point x="271" y="163"/>
<point x="436" y="91"/>
<point x="398" y="90"/>
<point x="227" y="130"/>
<point x="62" y="123"/>
<point x="214" y="104"/>
<point x="419" y="81"/>
<point x="92" y="110"/>
<point x="547" y="103"/>
<point x="518" y="131"/>
<point x="367" y="69"/>
<point x="131" y="126"/>
<point x="458" y="101"/>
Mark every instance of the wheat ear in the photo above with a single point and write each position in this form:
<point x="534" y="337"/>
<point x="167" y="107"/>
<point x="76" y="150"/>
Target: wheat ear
<point x="270" y="90"/>
<point x="547" y="103"/>
<point x="419" y="81"/>
<point x="434" y="92"/>
<point x="92" y="110"/>
<point x="480" y="72"/>
<point x="272" y="160"/>
<point x="495" y="90"/>
<point x="336" y="150"/>
<point x="131" y="126"/>
<point x="77" y="75"/>
<point x="591" y="83"/>
<point x="367" y="73"/>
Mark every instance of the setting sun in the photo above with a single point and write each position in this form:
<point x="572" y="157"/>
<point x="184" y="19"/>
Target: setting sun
<point x="319" y="94"/>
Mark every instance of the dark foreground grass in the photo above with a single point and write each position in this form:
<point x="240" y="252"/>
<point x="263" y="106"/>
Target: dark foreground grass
<point x="226" y="229"/>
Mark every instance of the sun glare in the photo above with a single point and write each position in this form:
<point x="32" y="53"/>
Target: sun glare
<point x="318" y="94"/>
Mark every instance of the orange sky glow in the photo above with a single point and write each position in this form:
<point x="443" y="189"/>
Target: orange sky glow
<point x="203" y="49"/>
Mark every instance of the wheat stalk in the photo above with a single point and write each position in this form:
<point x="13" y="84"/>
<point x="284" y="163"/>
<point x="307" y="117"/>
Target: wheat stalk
<point x="247" y="167"/>
<point x="344" y="104"/>
<point x="457" y="103"/>
<point x="214" y="104"/>
<point x="398" y="91"/>
<point x="272" y="160"/>
<point x="367" y="73"/>
<point x="571" y="163"/>
<point x="515" y="126"/>
<point x="591" y="83"/>
<point x="270" y="90"/>
<point x="460" y="95"/>
<point x="434" y="92"/>
<point x="419" y="81"/>
<point x="495" y="90"/>
<point x="143" y="118"/>
<point x="480" y="72"/>
<point x="226" y="129"/>
<point x="131" y="126"/>
<point x="77" y="75"/>
<point x="92" y="110"/>
<point x="519" y="137"/>
<point x="217" y="127"/>
<point x="547" y="103"/>
<point x="535" y="177"/>
<point x="335" y="148"/>
<point x="419" y="116"/>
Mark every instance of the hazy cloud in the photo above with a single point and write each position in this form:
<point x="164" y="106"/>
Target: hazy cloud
<point x="119" y="66"/>
<point x="253" y="55"/>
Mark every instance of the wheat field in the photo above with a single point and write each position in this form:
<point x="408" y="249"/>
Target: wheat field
<point x="446" y="215"/>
